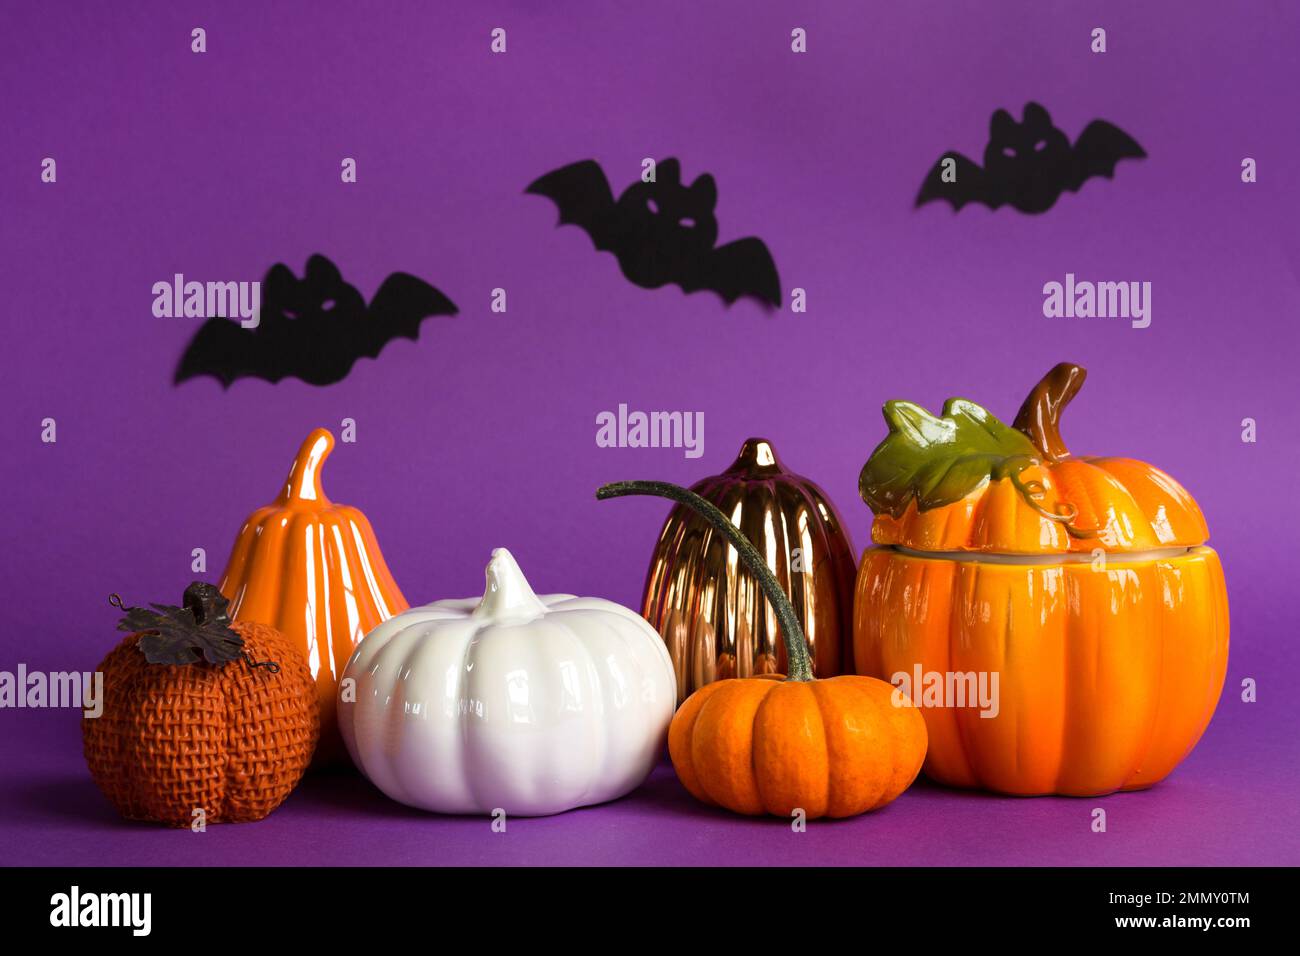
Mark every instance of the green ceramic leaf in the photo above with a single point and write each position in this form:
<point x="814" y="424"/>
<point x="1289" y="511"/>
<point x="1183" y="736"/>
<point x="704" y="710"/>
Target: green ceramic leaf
<point x="936" y="461"/>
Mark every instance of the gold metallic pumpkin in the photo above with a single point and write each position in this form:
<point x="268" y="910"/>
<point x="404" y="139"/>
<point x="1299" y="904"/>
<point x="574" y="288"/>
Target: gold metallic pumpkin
<point x="711" y="611"/>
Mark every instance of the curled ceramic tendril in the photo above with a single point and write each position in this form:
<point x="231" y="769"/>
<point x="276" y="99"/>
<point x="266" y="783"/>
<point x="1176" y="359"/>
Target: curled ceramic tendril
<point x="1033" y="492"/>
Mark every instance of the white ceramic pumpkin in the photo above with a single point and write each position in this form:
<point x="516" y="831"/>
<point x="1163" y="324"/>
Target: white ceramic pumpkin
<point x="531" y="705"/>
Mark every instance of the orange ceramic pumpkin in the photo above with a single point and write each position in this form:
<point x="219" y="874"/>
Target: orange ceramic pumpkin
<point x="831" y="747"/>
<point x="835" y="747"/>
<point x="312" y="569"/>
<point x="1082" y="586"/>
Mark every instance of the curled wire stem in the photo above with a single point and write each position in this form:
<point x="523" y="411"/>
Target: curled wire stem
<point x="271" y="666"/>
<point x="1064" y="512"/>
<point x="115" y="599"/>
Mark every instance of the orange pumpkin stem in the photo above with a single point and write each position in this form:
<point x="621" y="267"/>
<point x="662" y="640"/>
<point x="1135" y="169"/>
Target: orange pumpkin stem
<point x="1040" y="415"/>
<point x="303" y="483"/>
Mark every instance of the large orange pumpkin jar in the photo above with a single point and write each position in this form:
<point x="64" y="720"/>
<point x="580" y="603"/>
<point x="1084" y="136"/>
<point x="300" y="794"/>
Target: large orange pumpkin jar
<point x="1059" y="619"/>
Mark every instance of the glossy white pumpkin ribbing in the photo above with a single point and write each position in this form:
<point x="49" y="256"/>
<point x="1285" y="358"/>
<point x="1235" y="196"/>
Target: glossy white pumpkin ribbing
<point x="531" y="705"/>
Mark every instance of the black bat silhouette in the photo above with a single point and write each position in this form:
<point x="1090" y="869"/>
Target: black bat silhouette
<point x="1029" y="164"/>
<point x="663" y="231"/>
<point x="313" y="328"/>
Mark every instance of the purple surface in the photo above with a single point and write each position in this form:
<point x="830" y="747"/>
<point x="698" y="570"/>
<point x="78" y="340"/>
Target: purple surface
<point x="482" y="433"/>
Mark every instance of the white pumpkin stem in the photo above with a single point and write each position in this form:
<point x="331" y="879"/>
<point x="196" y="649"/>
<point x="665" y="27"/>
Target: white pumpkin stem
<point x="508" y="594"/>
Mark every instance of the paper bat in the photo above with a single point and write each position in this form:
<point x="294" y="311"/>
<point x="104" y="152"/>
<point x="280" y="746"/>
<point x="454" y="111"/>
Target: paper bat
<point x="313" y="328"/>
<point x="1028" y="164"/>
<point x="662" y="232"/>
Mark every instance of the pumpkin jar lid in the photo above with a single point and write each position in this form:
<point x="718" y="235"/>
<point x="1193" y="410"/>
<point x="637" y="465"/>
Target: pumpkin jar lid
<point x="966" y="482"/>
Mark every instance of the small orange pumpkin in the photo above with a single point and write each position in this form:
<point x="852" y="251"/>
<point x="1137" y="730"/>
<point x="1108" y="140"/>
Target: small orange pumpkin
<point x="832" y="747"/>
<point x="1082" y="584"/>
<point x="313" y="570"/>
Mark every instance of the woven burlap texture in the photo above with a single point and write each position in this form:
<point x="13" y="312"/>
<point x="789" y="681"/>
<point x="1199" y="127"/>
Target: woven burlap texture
<point x="232" y="741"/>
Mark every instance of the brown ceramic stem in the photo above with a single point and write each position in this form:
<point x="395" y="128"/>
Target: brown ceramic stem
<point x="1040" y="415"/>
<point x="796" y="645"/>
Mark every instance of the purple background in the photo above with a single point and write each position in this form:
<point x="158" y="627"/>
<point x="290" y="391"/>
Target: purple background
<point x="482" y="433"/>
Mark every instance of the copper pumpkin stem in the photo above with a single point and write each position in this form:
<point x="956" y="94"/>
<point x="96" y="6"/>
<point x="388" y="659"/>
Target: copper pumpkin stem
<point x="757" y="458"/>
<point x="1040" y="415"/>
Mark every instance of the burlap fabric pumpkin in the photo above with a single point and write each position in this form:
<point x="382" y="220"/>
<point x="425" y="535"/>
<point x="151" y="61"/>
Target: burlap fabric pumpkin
<point x="201" y="715"/>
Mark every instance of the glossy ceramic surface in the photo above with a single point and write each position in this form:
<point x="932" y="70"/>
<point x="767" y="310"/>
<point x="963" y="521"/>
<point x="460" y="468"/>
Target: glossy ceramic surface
<point x="1107" y="676"/>
<point x="524" y="703"/>
<point x="712" y="613"/>
<point x="1127" y="505"/>
<point x="1081" y="585"/>
<point x="963" y="481"/>
<point x="312" y="569"/>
